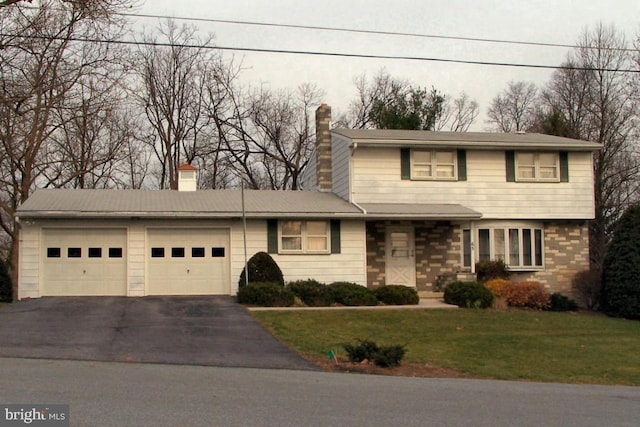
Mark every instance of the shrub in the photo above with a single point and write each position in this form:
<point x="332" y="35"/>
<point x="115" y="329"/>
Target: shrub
<point x="385" y="356"/>
<point x="6" y="291"/>
<point x="351" y="294"/>
<point x="361" y="350"/>
<point x="468" y="294"/>
<point x="311" y="292"/>
<point x="262" y="268"/>
<point x="621" y="268"/>
<point x="560" y="302"/>
<point x="397" y="295"/>
<point x="389" y="356"/>
<point x="530" y="294"/>
<point x="488" y="270"/>
<point x="499" y="287"/>
<point x="588" y="286"/>
<point x="267" y="294"/>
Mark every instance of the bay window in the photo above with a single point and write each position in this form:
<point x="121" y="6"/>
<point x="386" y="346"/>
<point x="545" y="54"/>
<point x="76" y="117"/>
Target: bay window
<point x="520" y="247"/>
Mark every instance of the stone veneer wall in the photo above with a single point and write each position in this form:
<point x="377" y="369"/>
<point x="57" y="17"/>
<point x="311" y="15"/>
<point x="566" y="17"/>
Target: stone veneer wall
<point x="437" y="251"/>
<point x="566" y="252"/>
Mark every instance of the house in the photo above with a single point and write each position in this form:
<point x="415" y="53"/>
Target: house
<point x="380" y="207"/>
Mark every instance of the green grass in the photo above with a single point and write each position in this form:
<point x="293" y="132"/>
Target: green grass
<point x="515" y="345"/>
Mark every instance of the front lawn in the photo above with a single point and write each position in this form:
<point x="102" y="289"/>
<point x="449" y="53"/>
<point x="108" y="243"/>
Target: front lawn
<point x="508" y="345"/>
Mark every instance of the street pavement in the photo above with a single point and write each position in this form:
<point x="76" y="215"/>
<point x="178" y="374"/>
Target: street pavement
<point x="132" y="394"/>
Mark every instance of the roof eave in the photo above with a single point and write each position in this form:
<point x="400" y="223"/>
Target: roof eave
<point x="590" y="146"/>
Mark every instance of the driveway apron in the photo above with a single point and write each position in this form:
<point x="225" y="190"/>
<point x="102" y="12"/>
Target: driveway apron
<point x="211" y="331"/>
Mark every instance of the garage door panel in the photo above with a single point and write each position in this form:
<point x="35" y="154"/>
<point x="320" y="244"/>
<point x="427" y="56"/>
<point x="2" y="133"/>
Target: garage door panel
<point x="84" y="262"/>
<point x="188" y="262"/>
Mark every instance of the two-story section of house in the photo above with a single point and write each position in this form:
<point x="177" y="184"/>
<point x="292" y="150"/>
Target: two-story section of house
<point x="436" y="203"/>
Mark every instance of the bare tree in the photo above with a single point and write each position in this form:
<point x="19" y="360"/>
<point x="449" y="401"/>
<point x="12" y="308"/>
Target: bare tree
<point x="42" y="65"/>
<point x="595" y="101"/>
<point x="513" y="110"/>
<point x="458" y="115"/>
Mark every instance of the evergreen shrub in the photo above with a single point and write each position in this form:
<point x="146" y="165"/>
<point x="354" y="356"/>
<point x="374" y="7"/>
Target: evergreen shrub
<point x="397" y="295"/>
<point x="267" y="294"/>
<point x="351" y="294"/>
<point x="468" y="295"/>
<point x="262" y="268"/>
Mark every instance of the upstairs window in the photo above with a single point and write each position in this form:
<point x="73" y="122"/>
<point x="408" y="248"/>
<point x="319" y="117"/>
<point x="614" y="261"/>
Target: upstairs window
<point x="433" y="164"/>
<point x="538" y="167"/>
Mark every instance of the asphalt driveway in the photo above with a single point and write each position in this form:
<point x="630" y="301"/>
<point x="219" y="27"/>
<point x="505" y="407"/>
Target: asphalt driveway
<point x="212" y="331"/>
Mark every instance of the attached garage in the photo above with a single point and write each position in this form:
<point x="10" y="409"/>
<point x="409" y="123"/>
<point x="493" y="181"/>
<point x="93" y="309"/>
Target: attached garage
<point x="192" y="261"/>
<point x="84" y="262"/>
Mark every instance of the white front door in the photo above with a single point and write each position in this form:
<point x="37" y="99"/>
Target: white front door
<point x="400" y="259"/>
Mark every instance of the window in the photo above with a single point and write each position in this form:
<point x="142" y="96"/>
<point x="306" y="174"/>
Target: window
<point x="538" y="167"/>
<point x="433" y="164"/>
<point x="304" y="236"/>
<point x="177" y="252"/>
<point x="95" y="252"/>
<point x="53" y="252"/>
<point x="197" y="252"/>
<point x="217" y="252"/>
<point x="115" y="252"/>
<point x="74" y="252"/>
<point x="518" y="247"/>
<point x="157" y="252"/>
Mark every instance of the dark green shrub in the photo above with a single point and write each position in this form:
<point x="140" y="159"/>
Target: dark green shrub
<point x="488" y="270"/>
<point x="389" y="356"/>
<point x="361" y="350"/>
<point x="311" y="292"/>
<point x="351" y="294"/>
<point x="587" y="285"/>
<point x="262" y="268"/>
<point x="621" y="268"/>
<point x="266" y="294"/>
<point x="560" y="302"/>
<point x="6" y="291"/>
<point x="397" y="295"/>
<point x="468" y="294"/>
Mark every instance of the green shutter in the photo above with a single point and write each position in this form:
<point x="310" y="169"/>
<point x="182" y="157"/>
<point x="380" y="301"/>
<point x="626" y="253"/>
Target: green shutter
<point x="462" y="165"/>
<point x="335" y="236"/>
<point x="272" y="236"/>
<point x="564" y="166"/>
<point x="405" y="163"/>
<point x="510" y="158"/>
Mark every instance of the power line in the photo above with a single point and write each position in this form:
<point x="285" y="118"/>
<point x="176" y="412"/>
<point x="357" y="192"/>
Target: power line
<point x="318" y="53"/>
<point x="359" y="31"/>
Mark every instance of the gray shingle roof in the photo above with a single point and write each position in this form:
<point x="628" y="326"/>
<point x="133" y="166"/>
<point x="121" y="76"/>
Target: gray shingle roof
<point x="191" y="204"/>
<point x="479" y="140"/>
<point x="73" y="203"/>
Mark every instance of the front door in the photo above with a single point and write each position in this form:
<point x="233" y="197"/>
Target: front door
<point x="400" y="257"/>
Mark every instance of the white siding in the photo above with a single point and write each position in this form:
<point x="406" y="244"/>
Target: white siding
<point x="309" y="178"/>
<point x="349" y="265"/>
<point x="340" y="156"/>
<point x="29" y="274"/>
<point x="376" y="179"/>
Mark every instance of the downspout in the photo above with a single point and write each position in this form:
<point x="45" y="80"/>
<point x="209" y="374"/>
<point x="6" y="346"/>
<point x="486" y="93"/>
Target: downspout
<point x="353" y="148"/>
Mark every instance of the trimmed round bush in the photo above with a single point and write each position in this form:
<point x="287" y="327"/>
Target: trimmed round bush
<point x="6" y="291"/>
<point x="621" y="268"/>
<point x="397" y="295"/>
<point x="499" y="287"/>
<point x="262" y="268"/>
<point x="268" y="294"/>
<point x="311" y="292"/>
<point x="468" y="295"/>
<point x="560" y="302"/>
<point x="351" y="294"/>
<point x="529" y="294"/>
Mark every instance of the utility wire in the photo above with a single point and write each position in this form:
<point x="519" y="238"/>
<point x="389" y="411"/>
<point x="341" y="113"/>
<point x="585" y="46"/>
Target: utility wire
<point x="358" y="31"/>
<point x="318" y="53"/>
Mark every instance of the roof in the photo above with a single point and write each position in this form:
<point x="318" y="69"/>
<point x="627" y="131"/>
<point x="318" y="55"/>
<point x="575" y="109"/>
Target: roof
<point x="187" y="167"/>
<point x="84" y="203"/>
<point x="52" y="203"/>
<point x="478" y="140"/>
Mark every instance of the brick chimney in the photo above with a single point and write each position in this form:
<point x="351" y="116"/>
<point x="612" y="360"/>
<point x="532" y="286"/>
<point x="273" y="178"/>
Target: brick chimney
<point x="323" y="147"/>
<point x="187" y="178"/>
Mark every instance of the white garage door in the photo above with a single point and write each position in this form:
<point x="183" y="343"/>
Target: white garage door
<point x="188" y="262"/>
<point x="84" y="262"/>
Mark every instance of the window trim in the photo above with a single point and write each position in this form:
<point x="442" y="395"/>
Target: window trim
<point x="537" y="167"/>
<point x="535" y="231"/>
<point x="304" y="249"/>
<point x="434" y="165"/>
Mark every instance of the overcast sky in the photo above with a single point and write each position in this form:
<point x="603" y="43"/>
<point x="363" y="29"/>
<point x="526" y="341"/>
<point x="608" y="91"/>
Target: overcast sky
<point x="545" y="21"/>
